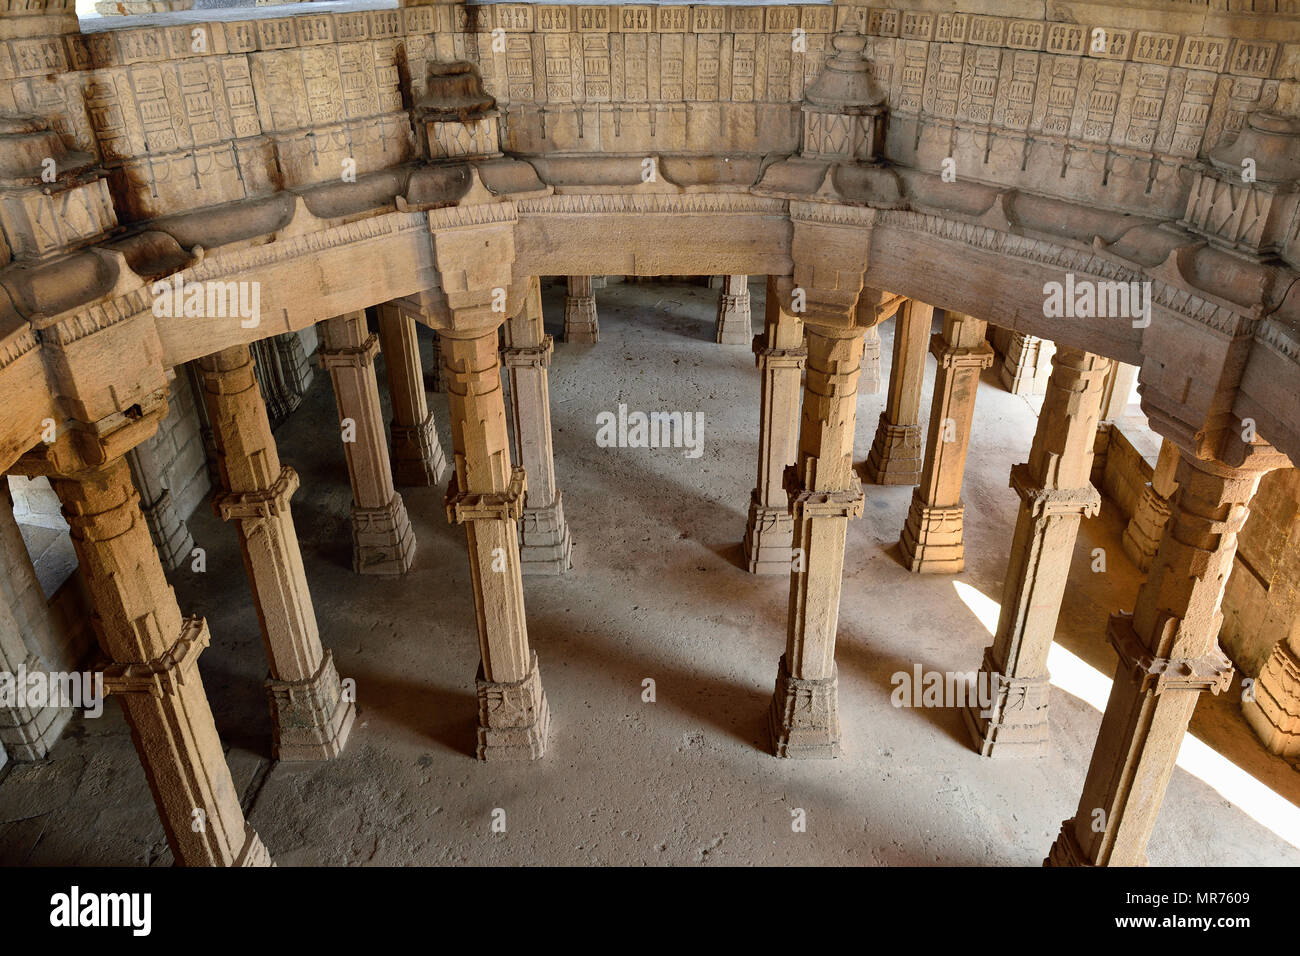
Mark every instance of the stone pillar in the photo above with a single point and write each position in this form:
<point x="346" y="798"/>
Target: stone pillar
<point x="733" y="327"/>
<point x="171" y="536"/>
<point x="869" y="383"/>
<point x="545" y="544"/>
<point x="294" y="364"/>
<point x="580" y="323"/>
<point x="433" y="380"/>
<point x="1142" y="536"/>
<point x="486" y="495"/>
<point x="153" y="653"/>
<point x="1167" y="655"/>
<point x="27" y="733"/>
<point x="1274" y="708"/>
<point x="824" y="494"/>
<point x="1054" y="495"/>
<point x="26" y="642"/>
<point x="896" y="457"/>
<point x="382" y="539"/>
<point x="311" y="718"/>
<point x="932" y="536"/>
<point x="780" y="356"/>
<point x="417" y="457"/>
<point x="1026" y="365"/>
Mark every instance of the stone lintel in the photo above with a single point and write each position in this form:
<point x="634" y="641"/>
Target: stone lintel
<point x="1213" y="672"/>
<point x="465" y="506"/>
<point x="160" y="677"/>
<point x="1045" y="502"/>
<point x="258" y="504"/>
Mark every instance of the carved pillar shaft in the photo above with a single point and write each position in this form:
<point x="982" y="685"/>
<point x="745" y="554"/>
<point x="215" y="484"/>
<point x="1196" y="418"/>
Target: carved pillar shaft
<point x="824" y="495"/>
<point x="417" y="456"/>
<point x="486" y="495"/>
<point x="733" y="324"/>
<point x="154" y="654"/>
<point x="869" y="384"/>
<point x="545" y="543"/>
<point x="382" y="539"/>
<point x="26" y="643"/>
<point x="311" y="718"/>
<point x="1168" y="655"/>
<point x="1027" y="364"/>
<point x="932" y="536"/>
<point x="580" y="323"/>
<point x="171" y="536"/>
<point x="780" y="356"/>
<point x="896" y="455"/>
<point x="1054" y="495"/>
<point x="1145" y="528"/>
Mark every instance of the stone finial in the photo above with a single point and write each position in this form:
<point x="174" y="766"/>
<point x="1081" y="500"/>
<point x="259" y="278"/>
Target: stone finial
<point x="460" y="118"/>
<point x="844" y="109"/>
<point x="1246" y="196"/>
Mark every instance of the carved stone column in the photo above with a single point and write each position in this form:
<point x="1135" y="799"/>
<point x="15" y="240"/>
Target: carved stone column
<point x="433" y="378"/>
<point x="382" y="539"/>
<point x="1026" y="365"/>
<point x="1145" y="528"/>
<point x="896" y="456"/>
<point x="1054" y="495"/>
<point x="153" y="654"/>
<point x="580" y="323"/>
<point x="417" y="457"/>
<point x="311" y="718"/>
<point x="869" y="383"/>
<point x="932" y="536"/>
<point x="26" y="643"/>
<point x="733" y="325"/>
<point x="1168" y="654"/>
<point x="545" y="544"/>
<point x="780" y="356"/>
<point x="170" y="534"/>
<point x="1274" y="708"/>
<point x="824" y="494"/>
<point x="486" y="495"/>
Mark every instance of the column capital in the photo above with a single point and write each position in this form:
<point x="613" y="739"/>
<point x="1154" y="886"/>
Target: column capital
<point x="1212" y="671"/>
<point x="364" y="354"/>
<point x="508" y="505"/>
<point x="162" y="675"/>
<point x="258" y="504"/>
<point x="956" y="356"/>
<point x="537" y="356"/>
<point x="1085" y="501"/>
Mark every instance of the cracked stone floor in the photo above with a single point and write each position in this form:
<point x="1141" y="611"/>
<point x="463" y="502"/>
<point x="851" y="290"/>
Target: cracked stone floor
<point x="657" y="591"/>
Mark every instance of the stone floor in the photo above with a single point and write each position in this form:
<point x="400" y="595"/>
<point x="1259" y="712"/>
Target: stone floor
<point x="657" y="591"/>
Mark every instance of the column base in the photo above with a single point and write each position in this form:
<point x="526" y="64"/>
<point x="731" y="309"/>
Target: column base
<point x="1066" y="851"/>
<point x="1145" y="529"/>
<point x="733" y="325"/>
<point x="769" y="538"/>
<point x="896" y="456"/>
<point x="580" y="324"/>
<point x="932" y="539"/>
<point x="254" y="852"/>
<point x="545" y="545"/>
<point x="1274" y="714"/>
<point x="1016" y="724"/>
<point x="513" y="717"/>
<point x="30" y="733"/>
<point x="312" y="720"/>
<point x="804" y="719"/>
<point x="382" y="539"/>
<point x="418" y="461"/>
